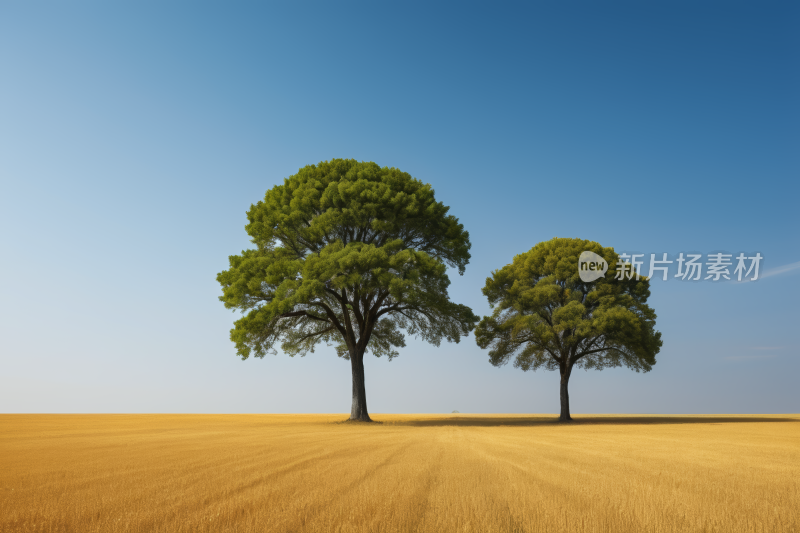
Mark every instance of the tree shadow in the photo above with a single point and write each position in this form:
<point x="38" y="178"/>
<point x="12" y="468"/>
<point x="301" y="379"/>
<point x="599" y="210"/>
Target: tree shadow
<point x="585" y="420"/>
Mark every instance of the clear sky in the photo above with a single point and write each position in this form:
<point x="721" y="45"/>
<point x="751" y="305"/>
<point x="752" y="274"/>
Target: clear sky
<point x="134" y="136"/>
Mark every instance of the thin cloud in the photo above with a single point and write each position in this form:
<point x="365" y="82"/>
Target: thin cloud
<point x="780" y="270"/>
<point x="773" y="272"/>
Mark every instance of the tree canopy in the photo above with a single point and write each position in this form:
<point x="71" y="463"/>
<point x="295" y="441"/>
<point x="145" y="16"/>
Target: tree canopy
<point x="546" y="316"/>
<point x="350" y="254"/>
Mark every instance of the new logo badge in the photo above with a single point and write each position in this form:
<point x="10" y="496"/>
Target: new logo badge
<point x="591" y="266"/>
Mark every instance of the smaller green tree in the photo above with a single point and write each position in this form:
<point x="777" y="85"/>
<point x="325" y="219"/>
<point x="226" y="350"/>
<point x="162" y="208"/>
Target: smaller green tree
<point x="547" y="316"/>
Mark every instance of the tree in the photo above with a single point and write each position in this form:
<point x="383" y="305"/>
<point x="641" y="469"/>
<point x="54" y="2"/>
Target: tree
<point x="547" y="316"/>
<point x="349" y="254"/>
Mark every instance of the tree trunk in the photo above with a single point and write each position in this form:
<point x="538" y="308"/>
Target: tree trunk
<point x="564" y="398"/>
<point x="358" y="409"/>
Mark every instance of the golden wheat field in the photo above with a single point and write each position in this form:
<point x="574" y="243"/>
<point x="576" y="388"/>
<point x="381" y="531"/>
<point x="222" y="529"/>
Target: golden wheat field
<point x="427" y="473"/>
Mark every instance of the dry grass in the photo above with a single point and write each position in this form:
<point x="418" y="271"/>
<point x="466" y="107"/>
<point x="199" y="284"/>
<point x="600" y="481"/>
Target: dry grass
<point x="261" y="473"/>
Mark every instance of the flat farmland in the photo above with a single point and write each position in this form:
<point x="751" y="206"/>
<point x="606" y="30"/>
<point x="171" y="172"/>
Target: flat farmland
<point x="405" y="473"/>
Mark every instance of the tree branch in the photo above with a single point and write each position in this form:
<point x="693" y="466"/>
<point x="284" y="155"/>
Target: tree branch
<point x="302" y="313"/>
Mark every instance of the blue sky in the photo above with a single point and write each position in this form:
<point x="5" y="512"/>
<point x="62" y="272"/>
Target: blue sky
<point x="133" y="138"/>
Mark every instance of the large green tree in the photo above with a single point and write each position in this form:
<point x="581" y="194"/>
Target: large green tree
<point x="349" y="254"/>
<point x="548" y="317"/>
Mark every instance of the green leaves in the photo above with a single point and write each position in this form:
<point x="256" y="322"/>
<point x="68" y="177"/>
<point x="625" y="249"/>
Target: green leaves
<point x="349" y="201"/>
<point x="546" y="316"/>
<point x="346" y="253"/>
